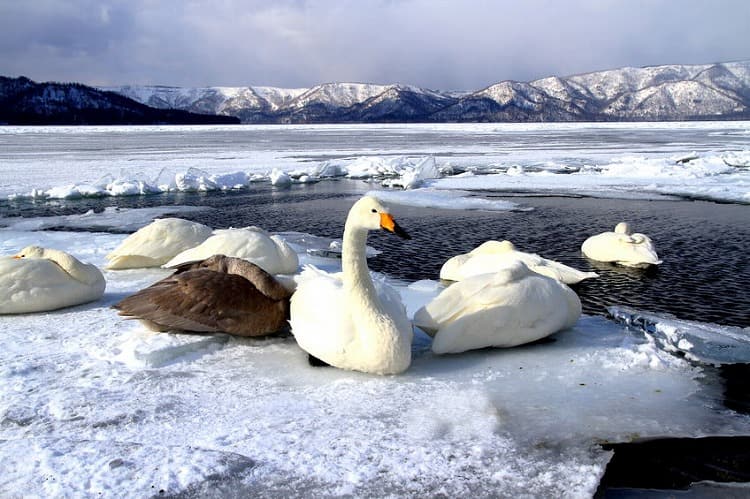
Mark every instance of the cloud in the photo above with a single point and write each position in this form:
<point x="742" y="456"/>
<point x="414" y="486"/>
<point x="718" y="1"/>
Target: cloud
<point x="432" y="43"/>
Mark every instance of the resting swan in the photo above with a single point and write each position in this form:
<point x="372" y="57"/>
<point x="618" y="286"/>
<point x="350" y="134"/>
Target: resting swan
<point x="503" y="309"/>
<point x="157" y="242"/>
<point x="219" y="294"/>
<point x="492" y="256"/>
<point x="271" y="253"/>
<point x="41" y="279"/>
<point x="341" y="318"/>
<point x="621" y="246"/>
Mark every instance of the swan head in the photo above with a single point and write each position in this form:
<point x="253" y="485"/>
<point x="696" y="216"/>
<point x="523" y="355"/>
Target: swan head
<point x="30" y="252"/>
<point x="623" y="228"/>
<point x="368" y="213"/>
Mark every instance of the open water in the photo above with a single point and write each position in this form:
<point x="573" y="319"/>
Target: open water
<point x="704" y="245"/>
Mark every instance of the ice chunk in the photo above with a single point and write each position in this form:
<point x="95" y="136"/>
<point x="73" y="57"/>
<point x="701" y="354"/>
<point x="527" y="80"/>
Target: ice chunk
<point x="280" y="179"/>
<point x="414" y="176"/>
<point x="328" y="169"/>
<point x="197" y="180"/>
<point x="74" y="191"/>
<point x="698" y="341"/>
<point x="447" y="200"/>
<point x="228" y="181"/>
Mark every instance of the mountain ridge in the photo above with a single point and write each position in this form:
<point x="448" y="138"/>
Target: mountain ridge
<point x="672" y="92"/>
<point x="25" y="102"/>
<point x="650" y="93"/>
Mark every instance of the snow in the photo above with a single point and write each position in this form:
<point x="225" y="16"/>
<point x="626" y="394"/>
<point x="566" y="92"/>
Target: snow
<point x="339" y="94"/>
<point x="91" y="403"/>
<point x="278" y="97"/>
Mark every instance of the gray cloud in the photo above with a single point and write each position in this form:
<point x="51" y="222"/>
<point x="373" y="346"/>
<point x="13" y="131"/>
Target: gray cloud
<point x="437" y="44"/>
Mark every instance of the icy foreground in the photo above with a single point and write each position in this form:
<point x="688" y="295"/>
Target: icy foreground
<point x="91" y="403"/>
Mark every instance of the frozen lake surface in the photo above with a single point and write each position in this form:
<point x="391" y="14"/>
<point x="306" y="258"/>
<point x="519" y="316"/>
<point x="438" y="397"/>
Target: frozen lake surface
<point x="92" y="404"/>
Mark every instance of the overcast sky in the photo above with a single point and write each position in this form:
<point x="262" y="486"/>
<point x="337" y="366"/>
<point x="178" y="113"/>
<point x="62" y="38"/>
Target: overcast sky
<point x="442" y="45"/>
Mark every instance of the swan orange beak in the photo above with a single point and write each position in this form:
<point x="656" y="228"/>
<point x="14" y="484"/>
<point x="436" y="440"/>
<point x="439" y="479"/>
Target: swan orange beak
<point x="388" y="223"/>
<point x="17" y="257"/>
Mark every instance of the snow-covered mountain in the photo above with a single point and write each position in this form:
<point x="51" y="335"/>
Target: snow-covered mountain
<point x="673" y="92"/>
<point x="712" y="91"/>
<point x="25" y="102"/>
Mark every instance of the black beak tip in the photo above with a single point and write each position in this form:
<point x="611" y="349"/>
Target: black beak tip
<point x="401" y="232"/>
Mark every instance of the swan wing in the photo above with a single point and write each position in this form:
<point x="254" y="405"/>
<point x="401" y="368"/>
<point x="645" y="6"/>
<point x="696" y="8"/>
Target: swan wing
<point x="320" y="322"/>
<point x="454" y="301"/>
<point x="156" y="243"/>
<point x="271" y="253"/>
<point x="226" y="242"/>
<point x="645" y="248"/>
<point x="559" y="271"/>
<point x="500" y="310"/>
<point x="35" y="285"/>
<point x="452" y="269"/>
<point x="524" y="312"/>
<point x="624" y="249"/>
<point x="203" y="300"/>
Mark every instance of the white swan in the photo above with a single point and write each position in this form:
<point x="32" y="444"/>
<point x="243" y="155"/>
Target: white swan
<point x="492" y="256"/>
<point x="344" y="319"/>
<point x="40" y="279"/>
<point x="503" y="309"/>
<point x="157" y="242"/>
<point x="271" y="253"/>
<point x="621" y="246"/>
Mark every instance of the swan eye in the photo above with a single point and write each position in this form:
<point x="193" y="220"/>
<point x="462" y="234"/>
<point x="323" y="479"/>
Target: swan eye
<point x="374" y="210"/>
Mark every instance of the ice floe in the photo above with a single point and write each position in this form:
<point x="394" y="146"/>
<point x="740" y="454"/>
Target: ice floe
<point x="698" y="341"/>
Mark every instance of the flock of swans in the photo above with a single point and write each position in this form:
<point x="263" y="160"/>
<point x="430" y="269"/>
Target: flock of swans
<point x="246" y="282"/>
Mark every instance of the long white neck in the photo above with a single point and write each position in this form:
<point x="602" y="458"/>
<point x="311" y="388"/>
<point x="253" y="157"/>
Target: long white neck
<point x="357" y="281"/>
<point x="384" y="338"/>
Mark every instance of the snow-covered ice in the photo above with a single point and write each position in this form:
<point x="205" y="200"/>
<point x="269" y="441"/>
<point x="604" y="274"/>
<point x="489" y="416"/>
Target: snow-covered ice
<point x="105" y="406"/>
<point x="91" y="403"/>
<point x="706" y="160"/>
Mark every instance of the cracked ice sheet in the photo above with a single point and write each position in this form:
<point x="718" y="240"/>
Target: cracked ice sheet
<point x="94" y="403"/>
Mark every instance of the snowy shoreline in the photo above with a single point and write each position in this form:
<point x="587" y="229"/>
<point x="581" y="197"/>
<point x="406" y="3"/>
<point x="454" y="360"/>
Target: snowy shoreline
<point x="92" y="404"/>
<point x="500" y="157"/>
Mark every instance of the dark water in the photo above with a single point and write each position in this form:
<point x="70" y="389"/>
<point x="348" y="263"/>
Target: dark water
<point x="705" y="246"/>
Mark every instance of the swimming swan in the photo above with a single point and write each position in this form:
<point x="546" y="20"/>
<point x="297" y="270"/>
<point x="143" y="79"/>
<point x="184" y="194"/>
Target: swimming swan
<point x="492" y="256"/>
<point x="219" y="294"/>
<point x="621" y="246"/>
<point x="271" y="253"/>
<point x="40" y="279"/>
<point x="156" y="243"/>
<point x="504" y="309"/>
<point x="341" y="318"/>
